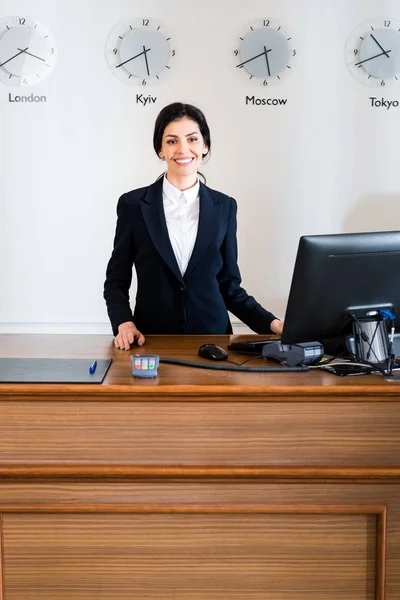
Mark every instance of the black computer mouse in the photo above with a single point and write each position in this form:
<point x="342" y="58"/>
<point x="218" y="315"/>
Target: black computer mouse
<point x="212" y="352"/>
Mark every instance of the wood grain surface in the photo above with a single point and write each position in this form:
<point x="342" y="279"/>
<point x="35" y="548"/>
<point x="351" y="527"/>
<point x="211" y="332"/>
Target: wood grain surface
<point x="198" y="484"/>
<point x="183" y="380"/>
<point x="180" y="554"/>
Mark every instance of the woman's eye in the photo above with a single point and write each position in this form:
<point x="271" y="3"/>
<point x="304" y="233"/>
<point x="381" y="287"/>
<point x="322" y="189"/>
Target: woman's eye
<point x="193" y="140"/>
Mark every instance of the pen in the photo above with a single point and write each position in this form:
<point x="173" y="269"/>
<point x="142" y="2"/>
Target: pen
<point x="92" y="367"/>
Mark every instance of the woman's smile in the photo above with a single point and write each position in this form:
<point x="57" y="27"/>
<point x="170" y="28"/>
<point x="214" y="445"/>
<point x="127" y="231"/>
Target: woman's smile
<point x="184" y="161"/>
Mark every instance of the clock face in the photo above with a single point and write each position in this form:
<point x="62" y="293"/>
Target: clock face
<point x="264" y="52"/>
<point x="373" y="52"/>
<point x="27" y="51"/>
<point x="138" y="51"/>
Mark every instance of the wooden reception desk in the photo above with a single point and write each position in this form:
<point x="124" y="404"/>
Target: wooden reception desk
<point x="198" y="485"/>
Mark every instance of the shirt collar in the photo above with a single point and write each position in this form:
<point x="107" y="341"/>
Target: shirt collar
<point x="174" y="194"/>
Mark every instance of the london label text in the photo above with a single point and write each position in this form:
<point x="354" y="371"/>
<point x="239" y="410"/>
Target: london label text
<point x="30" y="98"/>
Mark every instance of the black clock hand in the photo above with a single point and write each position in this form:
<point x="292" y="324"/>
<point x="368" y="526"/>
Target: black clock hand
<point x="15" y="56"/>
<point x="370" y="58"/>
<point x="129" y="59"/>
<point x="254" y="57"/>
<point x="145" y="58"/>
<point x="30" y="54"/>
<point x="266" y="58"/>
<point x="384" y="51"/>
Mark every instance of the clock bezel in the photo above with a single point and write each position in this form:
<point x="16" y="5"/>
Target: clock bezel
<point x="265" y="81"/>
<point x="354" y="43"/>
<point x="11" y="23"/>
<point x="115" y="39"/>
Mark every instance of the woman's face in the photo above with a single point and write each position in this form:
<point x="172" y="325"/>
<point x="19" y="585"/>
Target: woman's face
<point x="182" y="148"/>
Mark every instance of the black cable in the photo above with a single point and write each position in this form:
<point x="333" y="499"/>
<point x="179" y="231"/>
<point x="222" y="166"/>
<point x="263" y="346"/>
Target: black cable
<point x="391" y="361"/>
<point x="245" y="361"/>
<point x="225" y="367"/>
<point x="374" y="366"/>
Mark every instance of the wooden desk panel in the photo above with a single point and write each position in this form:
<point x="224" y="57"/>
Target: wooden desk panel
<point x="198" y="484"/>
<point x="207" y="433"/>
<point x="210" y="554"/>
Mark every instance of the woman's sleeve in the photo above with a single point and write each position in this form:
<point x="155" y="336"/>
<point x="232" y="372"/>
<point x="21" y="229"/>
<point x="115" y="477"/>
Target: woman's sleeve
<point x="119" y="270"/>
<point x="237" y="300"/>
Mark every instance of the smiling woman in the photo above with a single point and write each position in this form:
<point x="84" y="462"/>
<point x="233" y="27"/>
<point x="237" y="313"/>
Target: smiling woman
<point x="181" y="237"/>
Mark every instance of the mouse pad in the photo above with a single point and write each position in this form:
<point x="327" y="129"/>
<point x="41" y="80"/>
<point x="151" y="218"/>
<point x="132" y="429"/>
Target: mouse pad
<point x="52" y="370"/>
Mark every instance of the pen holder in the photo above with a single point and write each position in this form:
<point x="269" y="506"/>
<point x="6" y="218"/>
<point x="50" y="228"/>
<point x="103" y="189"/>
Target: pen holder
<point x="371" y="340"/>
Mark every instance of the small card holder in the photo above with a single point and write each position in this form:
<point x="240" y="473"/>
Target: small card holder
<point x="145" y="365"/>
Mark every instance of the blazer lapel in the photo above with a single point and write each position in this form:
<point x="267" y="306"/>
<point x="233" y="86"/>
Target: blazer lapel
<point x="208" y="222"/>
<point x="154" y="217"/>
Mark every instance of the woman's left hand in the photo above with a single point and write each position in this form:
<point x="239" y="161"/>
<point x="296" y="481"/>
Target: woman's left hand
<point x="276" y="326"/>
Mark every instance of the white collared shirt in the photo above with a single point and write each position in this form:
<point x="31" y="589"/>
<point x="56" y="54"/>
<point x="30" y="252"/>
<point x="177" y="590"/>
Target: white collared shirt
<point x="181" y="211"/>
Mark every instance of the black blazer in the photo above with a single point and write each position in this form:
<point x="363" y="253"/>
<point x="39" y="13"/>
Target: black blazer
<point x="167" y="302"/>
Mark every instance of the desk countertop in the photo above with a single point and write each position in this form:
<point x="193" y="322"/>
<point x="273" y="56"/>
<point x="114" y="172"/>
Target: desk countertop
<point x="181" y="379"/>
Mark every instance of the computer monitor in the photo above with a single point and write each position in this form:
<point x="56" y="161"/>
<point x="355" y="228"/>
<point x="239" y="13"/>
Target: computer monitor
<point x="335" y="275"/>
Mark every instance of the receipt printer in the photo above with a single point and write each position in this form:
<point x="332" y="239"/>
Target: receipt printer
<point x="304" y="353"/>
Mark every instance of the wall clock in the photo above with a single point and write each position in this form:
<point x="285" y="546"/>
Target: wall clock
<point x="27" y="51"/>
<point x="373" y="52"/>
<point x="264" y="52"/>
<point x="139" y="51"/>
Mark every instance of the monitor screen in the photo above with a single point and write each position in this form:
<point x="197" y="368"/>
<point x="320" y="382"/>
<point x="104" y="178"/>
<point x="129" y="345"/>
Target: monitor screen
<point x="335" y="275"/>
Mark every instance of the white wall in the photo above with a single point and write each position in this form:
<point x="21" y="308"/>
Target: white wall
<point x="326" y="162"/>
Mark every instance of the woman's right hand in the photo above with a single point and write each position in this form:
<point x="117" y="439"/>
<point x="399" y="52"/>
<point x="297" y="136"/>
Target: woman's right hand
<point x="127" y="335"/>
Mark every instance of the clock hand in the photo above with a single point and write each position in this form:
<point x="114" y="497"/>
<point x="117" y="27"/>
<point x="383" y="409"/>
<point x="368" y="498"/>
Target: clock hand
<point x="30" y="54"/>
<point x="266" y="58"/>
<point x="15" y="56"/>
<point x="370" y="58"/>
<point x="129" y="59"/>
<point x="145" y="58"/>
<point x="254" y="57"/>
<point x="384" y="51"/>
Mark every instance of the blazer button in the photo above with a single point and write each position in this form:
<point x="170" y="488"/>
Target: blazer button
<point x="182" y="288"/>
